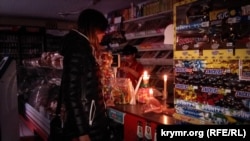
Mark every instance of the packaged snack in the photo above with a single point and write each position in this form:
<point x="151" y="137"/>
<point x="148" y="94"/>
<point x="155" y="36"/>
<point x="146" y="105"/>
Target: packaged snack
<point x="122" y="90"/>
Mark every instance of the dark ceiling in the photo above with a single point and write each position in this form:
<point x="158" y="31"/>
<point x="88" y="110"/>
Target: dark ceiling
<point x="67" y="10"/>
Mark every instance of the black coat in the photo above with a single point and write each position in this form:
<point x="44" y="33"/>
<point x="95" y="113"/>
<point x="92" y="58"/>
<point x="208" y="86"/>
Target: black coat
<point x="81" y="86"/>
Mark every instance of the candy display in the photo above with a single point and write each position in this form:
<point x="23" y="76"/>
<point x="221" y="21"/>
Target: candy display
<point x="105" y="60"/>
<point x="211" y="52"/>
<point x="218" y="87"/>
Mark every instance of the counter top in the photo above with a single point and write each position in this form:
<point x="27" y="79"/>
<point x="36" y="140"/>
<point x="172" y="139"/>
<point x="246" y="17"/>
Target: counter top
<point x="137" y="110"/>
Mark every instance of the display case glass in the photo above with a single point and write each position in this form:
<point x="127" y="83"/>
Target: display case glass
<point x="38" y="89"/>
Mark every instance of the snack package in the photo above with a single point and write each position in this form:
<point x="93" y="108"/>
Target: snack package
<point x="121" y="90"/>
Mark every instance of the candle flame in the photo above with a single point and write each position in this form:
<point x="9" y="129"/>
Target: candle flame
<point x="145" y="75"/>
<point x="151" y="92"/>
<point x="165" y="77"/>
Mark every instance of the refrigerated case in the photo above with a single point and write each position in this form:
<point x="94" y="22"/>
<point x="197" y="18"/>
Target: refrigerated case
<point x="211" y="61"/>
<point x="38" y="93"/>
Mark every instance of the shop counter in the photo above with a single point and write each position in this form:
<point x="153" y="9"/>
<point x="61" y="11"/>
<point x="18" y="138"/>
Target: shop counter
<point x="132" y="116"/>
<point x="118" y="111"/>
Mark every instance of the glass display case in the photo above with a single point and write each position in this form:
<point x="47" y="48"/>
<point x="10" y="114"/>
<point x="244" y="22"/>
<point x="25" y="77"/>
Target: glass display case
<point x="39" y="89"/>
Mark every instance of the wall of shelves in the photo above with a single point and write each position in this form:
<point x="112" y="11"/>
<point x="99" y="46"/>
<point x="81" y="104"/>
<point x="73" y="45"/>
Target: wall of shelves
<point x="146" y="28"/>
<point x="146" y="31"/>
<point x="28" y="42"/>
<point x="9" y="44"/>
<point x="147" y="34"/>
<point x="53" y="39"/>
<point x="31" y="45"/>
<point x="22" y="42"/>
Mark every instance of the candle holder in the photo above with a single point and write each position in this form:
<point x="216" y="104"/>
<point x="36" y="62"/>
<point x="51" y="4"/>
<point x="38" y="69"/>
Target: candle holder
<point x="151" y="92"/>
<point x="145" y="83"/>
<point x="164" y="95"/>
<point x="145" y="78"/>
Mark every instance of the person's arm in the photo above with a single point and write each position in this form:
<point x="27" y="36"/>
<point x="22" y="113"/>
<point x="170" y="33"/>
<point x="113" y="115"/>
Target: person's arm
<point x="131" y="71"/>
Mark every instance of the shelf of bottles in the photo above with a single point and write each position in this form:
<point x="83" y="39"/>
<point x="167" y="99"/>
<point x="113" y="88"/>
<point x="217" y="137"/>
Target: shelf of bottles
<point x="53" y="39"/>
<point x="9" y="44"/>
<point x="31" y="42"/>
<point x="52" y="43"/>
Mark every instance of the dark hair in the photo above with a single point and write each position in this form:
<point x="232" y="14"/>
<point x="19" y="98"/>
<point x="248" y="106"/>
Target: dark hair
<point x="89" y="22"/>
<point x="129" y="49"/>
<point x="91" y="18"/>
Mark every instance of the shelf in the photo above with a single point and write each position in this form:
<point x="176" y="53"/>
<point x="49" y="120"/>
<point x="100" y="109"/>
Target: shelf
<point x="156" y="47"/>
<point x="147" y="35"/>
<point x="150" y="17"/>
<point x="150" y="61"/>
<point x="138" y="35"/>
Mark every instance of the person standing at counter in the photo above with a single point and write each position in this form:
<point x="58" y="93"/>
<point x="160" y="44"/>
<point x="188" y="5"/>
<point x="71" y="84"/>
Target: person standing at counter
<point x="130" y="67"/>
<point x="81" y="87"/>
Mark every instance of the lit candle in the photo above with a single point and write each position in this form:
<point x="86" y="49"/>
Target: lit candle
<point x="165" y="77"/>
<point x="151" y="92"/>
<point x="145" y="78"/>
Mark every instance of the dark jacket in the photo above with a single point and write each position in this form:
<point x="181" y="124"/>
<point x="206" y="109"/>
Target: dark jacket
<point x="81" y="86"/>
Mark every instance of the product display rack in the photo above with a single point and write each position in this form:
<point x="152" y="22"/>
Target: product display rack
<point x="53" y="39"/>
<point x="53" y="43"/>
<point x="143" y="26"/>
<point x="147" y="34"/>
<point x="31" y="42"/>
<point x="9" y="44"/>
<point x="211" y="41"/>
<point x="28" y="42"/>
<point x="21" y="42"/>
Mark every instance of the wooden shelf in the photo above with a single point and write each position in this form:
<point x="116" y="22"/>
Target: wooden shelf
<point x="147" y="34"/>
<point x="150" y="17"/>
<point x="156" y="47"/>
<point x="137" y="35"/>
<point x="156" y="61"/>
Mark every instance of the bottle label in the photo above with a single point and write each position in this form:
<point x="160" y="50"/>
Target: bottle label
<point x="148" y="135"/>
<point x="139" y="131"/>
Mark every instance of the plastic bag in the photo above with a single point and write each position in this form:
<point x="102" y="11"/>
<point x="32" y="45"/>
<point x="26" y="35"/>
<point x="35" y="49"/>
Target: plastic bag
<point x="143" y="94"/>
<point x="152" y="105"/>
<point x="121" y="90"/>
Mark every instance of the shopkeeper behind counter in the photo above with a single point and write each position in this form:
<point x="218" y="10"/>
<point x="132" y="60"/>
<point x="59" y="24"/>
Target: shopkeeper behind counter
<point x="130" y="67"/>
